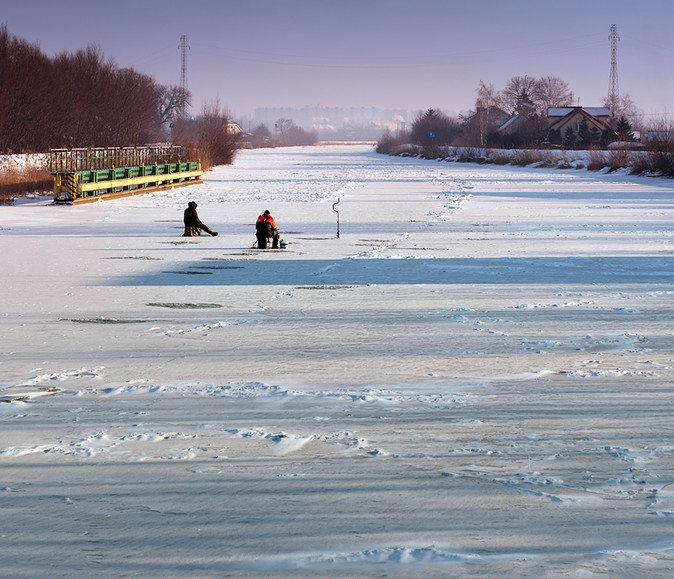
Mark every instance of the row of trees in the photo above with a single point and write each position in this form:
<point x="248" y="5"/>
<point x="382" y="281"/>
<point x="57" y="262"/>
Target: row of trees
<point x="525" y="97"/>
<point x="527" y="94"/>
<point x="77" y="100"/>
<point x="433" y="128"/>
<point x="523" y="94"/>
<point x="286" y="134"/>
<point x="85" y="100"/>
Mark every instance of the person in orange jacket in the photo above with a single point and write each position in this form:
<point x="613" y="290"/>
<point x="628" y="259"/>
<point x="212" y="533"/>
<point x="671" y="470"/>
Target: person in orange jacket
<point x="265" y="228"/>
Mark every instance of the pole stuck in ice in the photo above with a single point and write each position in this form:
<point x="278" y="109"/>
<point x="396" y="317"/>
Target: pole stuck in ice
<point x="337" y="212"/>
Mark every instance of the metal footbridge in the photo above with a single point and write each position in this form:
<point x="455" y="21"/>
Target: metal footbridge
<point x="83" y="175"/>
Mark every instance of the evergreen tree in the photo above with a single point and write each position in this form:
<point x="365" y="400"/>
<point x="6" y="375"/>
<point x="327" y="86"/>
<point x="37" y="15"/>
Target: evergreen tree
<point x="569" y="141"/>
<point x="595" y="137"/>
<point x="607" y="137"/>
<point x="624" y="130"/>
<point x="434" y="127"/>
<point x="583" y="140"/>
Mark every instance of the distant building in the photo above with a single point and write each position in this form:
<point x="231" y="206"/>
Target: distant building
<point x="660" y="137"/>
<point x="522" y="129"/>
<point x="233" y="128"/>
<point x="358" y="123"/>
<point x="560" y="118"/>
<point x="483" y="121"/>
<point x="565" y="125"/>
<point x="492" y="116"/>
<point x="515" y="123"/>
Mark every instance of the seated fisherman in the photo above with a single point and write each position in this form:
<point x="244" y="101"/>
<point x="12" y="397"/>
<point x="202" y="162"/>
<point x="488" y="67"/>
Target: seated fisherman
<point x="265" y="228"/>
<point x="193" y="224"/>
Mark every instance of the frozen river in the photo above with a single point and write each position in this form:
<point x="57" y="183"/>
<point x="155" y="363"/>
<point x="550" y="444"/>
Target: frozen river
<point x="473" y="379"/>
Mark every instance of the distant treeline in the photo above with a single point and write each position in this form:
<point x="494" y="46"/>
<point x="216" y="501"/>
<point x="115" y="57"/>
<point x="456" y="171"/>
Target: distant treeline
<point x="434" y="135"/>
<point x="82" y="99"/>
<point x="71" y="100"/>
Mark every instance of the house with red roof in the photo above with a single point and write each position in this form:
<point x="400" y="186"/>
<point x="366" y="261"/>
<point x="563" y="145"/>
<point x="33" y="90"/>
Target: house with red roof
<point x="562" y="118"/>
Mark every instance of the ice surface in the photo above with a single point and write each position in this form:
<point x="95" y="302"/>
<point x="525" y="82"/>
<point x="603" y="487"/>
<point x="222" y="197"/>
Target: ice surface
<point x="473" y="379"/>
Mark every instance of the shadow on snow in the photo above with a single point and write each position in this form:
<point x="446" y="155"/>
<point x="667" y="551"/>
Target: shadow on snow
<point x="293" y="272"/>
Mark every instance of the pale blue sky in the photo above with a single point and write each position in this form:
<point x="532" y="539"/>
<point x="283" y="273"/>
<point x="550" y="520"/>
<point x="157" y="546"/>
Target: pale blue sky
<point x="411" y="54"/>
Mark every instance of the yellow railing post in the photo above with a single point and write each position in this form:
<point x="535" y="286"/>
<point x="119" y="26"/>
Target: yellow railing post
<point x="71" y="184"/>
<point x="57" y="187"/>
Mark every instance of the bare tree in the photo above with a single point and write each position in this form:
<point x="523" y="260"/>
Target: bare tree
<point x="218" y="137"/>
<point x="488" y="98"/>
<point x="552" y="91"/>
<point x="660" y="142"/>
<point x="297" y="136"/>
<point x="519" y="93"/>
<point x="289" y="134"/>
<point x="171" y="101"/>
<point x="624" y="107"/>
<point x="138" y="123"/>
<point x="78" y="99"/>
<point x="282" y="127"/>
<point x="26" y="86"/>
<point x="82" y="99"/>
<point x="261" y="136"/>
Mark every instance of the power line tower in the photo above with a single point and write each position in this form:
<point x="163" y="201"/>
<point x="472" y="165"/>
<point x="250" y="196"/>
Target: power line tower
<point x="184" y="47"/>
<point x="613" y="92"/>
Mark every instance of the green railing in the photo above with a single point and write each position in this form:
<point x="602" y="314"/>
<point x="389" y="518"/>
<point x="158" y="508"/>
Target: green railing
<point x="84" y="174"/>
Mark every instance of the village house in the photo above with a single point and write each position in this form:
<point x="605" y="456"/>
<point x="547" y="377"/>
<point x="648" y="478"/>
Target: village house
<point x="484" y="121"/>
<point x="561" y="119"/>
<point x="524" y="128"/>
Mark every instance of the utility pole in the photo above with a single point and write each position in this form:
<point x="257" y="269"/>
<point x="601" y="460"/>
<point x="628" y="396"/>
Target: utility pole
<point x="184" y="47"/>
<point x="613" y="92"/>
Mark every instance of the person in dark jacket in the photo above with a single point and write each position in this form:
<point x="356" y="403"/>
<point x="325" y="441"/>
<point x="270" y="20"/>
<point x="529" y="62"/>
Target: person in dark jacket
<point x="265" y="228"/>
<point x="193" y="224"/>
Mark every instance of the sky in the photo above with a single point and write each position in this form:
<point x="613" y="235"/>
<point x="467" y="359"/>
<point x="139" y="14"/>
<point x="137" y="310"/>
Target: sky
<point x="389" y="54"/>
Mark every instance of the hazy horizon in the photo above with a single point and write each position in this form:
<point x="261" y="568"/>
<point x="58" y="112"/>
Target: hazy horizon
<point x="386" y="54"/>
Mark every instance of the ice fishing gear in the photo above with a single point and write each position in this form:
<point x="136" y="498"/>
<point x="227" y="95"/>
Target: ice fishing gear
<point x="337" y="212"/>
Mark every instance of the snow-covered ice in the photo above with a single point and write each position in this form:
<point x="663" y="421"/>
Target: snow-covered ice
<point x="473" y="379"/>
